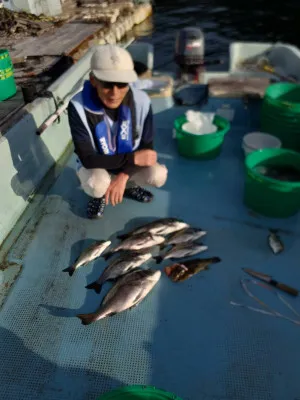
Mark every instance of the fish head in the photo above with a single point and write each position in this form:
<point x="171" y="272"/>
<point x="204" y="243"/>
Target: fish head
<point x="152" y="275"/>
<point x="181" y="225"/>
<point x="146" y="256"/>
<point x="103" y="246"/>
<point x="97" y="248"/>
<point x="171" y="220"/>
<point x="198" y="230"/>
<point x="176" y="266"/>
<point x="158" y="239"/>
<point x="106" y="244"/>
<point x="155" y="275"/>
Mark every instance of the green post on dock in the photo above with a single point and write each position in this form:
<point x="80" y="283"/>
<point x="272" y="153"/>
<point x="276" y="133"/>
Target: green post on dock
<point x="7" y="81"/>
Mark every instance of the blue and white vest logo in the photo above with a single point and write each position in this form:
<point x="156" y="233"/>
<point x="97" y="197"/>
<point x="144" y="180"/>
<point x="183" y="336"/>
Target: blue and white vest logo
<point x="125" y="130"/>
<point x="104" y="145"/>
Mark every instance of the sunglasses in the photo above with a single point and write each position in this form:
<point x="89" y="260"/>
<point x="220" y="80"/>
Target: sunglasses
<point x="110" y="85"/>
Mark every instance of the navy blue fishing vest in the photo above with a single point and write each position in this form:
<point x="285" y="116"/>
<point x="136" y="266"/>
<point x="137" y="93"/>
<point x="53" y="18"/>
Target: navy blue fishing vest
<point x="108" y="142"/>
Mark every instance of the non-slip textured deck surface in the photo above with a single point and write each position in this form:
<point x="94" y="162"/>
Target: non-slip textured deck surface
<point x="185" y="338"/>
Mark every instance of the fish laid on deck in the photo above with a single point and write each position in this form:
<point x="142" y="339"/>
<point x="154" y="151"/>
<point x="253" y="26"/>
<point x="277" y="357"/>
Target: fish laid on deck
<point x="163" y="227"/>
<point x="275" y="242"/>
<point x="119" y="267"/>
<point x="137" y="242"/>
<point x="185" y="235"/>
<point x="182" y="271"/>
<point x="91" y="253"/>
<point x="181" y="251"/>
<point x="127" y="292"/>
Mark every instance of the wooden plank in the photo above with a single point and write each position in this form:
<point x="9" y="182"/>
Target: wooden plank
<point x="62" y="41"/>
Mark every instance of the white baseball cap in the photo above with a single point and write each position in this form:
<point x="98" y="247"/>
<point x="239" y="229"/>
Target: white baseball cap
<point x="111" y="63"/>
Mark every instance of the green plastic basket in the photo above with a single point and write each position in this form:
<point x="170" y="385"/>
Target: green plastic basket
<point x="5" y="60"/>
<point x="267" y="196"/>
<point x="201" y="147"/>
<point x="280" y="113"/>
<point x="138" y="392"/>
<point x="284" y="95"/>
<point x="7" y="81"/>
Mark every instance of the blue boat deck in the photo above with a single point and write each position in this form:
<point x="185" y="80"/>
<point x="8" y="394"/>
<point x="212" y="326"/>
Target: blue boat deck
<point x="185" y="338"/>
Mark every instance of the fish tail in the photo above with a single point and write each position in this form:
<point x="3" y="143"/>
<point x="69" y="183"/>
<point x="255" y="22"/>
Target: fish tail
<point x="271" y="230"/>
<point x="86" y="319"/>
<point x="158" y="259"/>
<point x="216" y="259"/>
<point x="96" y="286"/>
<point x="70" y="269"/>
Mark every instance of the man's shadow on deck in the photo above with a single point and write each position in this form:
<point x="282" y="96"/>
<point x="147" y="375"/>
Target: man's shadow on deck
<point x="25" y="374"/>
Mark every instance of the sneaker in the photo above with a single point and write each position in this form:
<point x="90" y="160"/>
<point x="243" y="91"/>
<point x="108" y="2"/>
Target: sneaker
<point x="96" y="208"/>
<point x="139" y="194"/>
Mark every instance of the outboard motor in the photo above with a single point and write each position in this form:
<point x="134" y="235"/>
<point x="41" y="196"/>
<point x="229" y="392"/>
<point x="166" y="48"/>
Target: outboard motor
<point x="189" y="53"/>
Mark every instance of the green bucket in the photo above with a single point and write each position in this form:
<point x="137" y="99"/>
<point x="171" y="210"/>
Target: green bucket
<point x="5" y="60"/>
<point x="201" y="147"/>
<point x="138" y="392"/>
<point x="280" y="113"/>
<point x="267" y="196"/>
<point x="7" y="81"/>
<point x="284" y="95"/>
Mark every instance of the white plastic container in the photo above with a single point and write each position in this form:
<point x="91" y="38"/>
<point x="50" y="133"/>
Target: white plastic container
<point x="258" y="140"/>
<point x="199" y="123"/>
<point x="191" y="128"/>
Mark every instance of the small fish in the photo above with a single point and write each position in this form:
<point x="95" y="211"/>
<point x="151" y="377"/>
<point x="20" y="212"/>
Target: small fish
<point x="181" y="271"/>
<point x="162" y="227"/>
<point x="185" y="235"/>
<point x="91" y="253"/>
<point x="176" y="271"/>
<point x="275" y="242"/>
<point x="181" y="251"/>
<point x="141" y="241"/>
<point x="120" y="266"/>
<point x="127" y="292"/>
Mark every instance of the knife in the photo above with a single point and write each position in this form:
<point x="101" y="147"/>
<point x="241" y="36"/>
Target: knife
<point x="268" y="279"/>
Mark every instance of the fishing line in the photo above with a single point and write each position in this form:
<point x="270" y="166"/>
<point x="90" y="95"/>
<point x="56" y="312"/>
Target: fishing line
<point x="269" y="310"/>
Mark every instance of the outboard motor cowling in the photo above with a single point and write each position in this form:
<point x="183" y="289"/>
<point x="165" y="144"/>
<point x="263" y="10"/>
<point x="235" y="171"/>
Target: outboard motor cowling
<point x="189" y="48"/>
<point x="189" y="52"/>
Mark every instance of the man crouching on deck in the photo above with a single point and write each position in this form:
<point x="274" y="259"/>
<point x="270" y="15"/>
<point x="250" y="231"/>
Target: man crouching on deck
<point x="112" y="130"/>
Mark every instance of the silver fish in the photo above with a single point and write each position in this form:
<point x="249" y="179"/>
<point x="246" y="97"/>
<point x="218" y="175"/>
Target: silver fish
<point x="275" y="242"/>
<point x="120" y="266"/>
<point x="163" y="227"/>
<point x="182" y="250"/>
<point x="185" y="235"/>
<point x="128" y="292"/>
<point x="91" y="253"/>
<point x="141" y="241"/>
